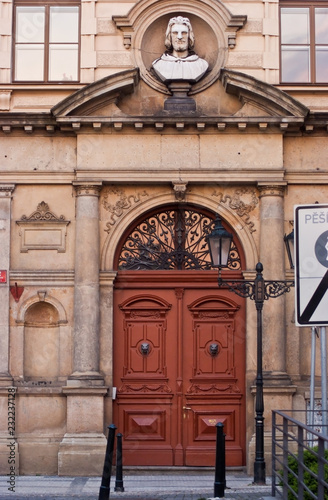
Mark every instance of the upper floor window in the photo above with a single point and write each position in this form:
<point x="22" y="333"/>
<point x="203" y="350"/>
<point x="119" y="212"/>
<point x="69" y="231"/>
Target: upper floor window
<point x="304" y="42"/>
<point x="46" y="41"/>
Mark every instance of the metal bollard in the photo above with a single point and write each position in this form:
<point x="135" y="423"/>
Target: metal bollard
<point x="104" y="490"/>
<point x="220" y="480"/>
<point x="119" y="466"/>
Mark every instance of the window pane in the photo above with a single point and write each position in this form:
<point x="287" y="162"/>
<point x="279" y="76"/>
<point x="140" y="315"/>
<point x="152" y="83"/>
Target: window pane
<point x="63" y="62"/>
<point x="29" y="62"/>
<point x="30" y="24"/>
<point x="295" y="64"/>
<point x="321" y="25"/>
<point x="295" y="26"/>
<point x="321" y="64"/>
<point x="64" y="24"/>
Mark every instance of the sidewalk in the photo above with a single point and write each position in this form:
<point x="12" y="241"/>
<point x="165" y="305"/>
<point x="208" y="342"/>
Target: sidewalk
<point x="168" y="485"/>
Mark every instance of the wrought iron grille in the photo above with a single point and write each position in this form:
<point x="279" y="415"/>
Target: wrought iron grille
<point x="171" y="239"/>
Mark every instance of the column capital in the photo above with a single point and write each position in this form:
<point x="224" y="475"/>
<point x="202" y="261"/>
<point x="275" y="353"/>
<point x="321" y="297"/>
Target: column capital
<point x="87" y="188"/>
<point x="276" y="189"/>
<point x="6" y="190"/>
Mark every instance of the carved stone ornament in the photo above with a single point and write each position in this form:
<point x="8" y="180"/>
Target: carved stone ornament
<point x="211" y="21"/>
<point x="43" y="230"/>
<point x="122" y="204"/>
<point x="179" y="62"/>
<point x="180" y="189"/>
<point x="42" y="213"/>
<point x="271" y="190"/>
<point x="242" y="202"/>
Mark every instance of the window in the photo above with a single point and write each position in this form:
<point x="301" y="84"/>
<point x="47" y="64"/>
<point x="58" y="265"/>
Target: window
<point x="304" y="42"/>
<point x="46" y="41"/>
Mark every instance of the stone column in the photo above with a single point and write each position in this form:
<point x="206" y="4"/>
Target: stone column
<point x="86" y="285"/>
<point x="82" y="449"/>
<point x="272" y="256"/>
<point x="6" y="191"/>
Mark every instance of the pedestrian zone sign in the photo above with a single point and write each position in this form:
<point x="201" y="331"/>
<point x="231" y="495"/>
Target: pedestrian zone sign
<point x="311" y="269"/>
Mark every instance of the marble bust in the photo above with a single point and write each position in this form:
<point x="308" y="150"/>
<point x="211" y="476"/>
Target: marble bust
<point x="179" y="62"/>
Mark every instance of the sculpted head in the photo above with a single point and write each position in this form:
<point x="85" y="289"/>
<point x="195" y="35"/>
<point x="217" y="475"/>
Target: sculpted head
<point x="179" y="35"/>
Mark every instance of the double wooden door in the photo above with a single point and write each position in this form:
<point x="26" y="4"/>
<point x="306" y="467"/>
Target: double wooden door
<point x="179" y="368"/>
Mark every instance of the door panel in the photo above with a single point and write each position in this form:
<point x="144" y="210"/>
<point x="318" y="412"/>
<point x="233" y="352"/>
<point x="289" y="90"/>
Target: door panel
<point x="179" y="368"/>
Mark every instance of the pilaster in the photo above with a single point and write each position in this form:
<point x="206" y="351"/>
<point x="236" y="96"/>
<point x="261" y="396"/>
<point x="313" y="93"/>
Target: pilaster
<point x="6" y="191"/>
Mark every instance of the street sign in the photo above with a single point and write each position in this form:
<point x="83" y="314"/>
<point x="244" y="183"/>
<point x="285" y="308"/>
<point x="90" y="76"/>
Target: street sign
<point x="311" y="265"/>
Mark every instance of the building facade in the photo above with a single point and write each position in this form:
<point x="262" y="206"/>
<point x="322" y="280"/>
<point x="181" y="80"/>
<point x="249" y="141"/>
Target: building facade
<point x="111" y="178"/>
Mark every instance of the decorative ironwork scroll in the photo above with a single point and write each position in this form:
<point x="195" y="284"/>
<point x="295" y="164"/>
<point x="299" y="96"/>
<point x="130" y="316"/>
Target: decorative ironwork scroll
<point x="172" y="239"/>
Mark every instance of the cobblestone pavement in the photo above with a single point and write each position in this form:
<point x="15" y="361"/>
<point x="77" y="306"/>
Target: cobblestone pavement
<point x="166" y="486"/>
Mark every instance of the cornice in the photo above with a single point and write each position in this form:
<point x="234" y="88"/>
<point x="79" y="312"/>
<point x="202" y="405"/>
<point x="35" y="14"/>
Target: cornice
<point x="73" y="125"/>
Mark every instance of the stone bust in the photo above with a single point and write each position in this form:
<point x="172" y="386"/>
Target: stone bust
<point x="179" y="62"/>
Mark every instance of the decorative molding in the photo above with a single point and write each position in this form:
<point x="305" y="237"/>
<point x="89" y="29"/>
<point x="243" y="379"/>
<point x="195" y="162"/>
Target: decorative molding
<point x="43" y="213"/>
<point x="121" y="205"/>
<point x="43" y="230"/>
<point x="145" y="388"/>
<point x="237" y="202"/>
<point x="213" y="389"/>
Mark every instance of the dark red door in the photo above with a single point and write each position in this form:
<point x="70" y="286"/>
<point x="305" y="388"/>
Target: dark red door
<point x="179" y="368"/>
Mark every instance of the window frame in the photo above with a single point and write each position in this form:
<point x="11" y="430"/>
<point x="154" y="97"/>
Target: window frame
<point x="46" y="44"/>
<point x="311" y="5"/>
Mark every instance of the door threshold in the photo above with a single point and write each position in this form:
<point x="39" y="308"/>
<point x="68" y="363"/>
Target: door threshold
<point x="191" y="470"/>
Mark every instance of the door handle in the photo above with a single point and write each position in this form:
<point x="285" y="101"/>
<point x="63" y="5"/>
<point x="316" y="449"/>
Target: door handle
<point x="186" y="408"/>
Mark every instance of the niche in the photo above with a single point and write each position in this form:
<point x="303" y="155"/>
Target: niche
<point x="41" y="342"/>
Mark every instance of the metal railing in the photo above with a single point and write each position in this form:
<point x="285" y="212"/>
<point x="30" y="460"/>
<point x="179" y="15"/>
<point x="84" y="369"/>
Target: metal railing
<point x="299" y="458"/>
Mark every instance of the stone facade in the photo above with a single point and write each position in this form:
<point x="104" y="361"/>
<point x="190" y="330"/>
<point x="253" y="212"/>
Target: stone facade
<point x="81" y="162"/>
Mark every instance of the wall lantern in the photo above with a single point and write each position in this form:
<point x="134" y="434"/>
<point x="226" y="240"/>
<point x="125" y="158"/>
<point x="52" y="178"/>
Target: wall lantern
<point x="219" y="242"/>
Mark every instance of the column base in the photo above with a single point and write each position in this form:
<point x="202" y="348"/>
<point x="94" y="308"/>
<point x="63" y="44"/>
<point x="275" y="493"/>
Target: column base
<point x="275" y="378"/>
<point x="82" y="454"/>
<point x="82" y="449"/>
<point x="85" y="379"/>
<point x="6" y="380"/>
